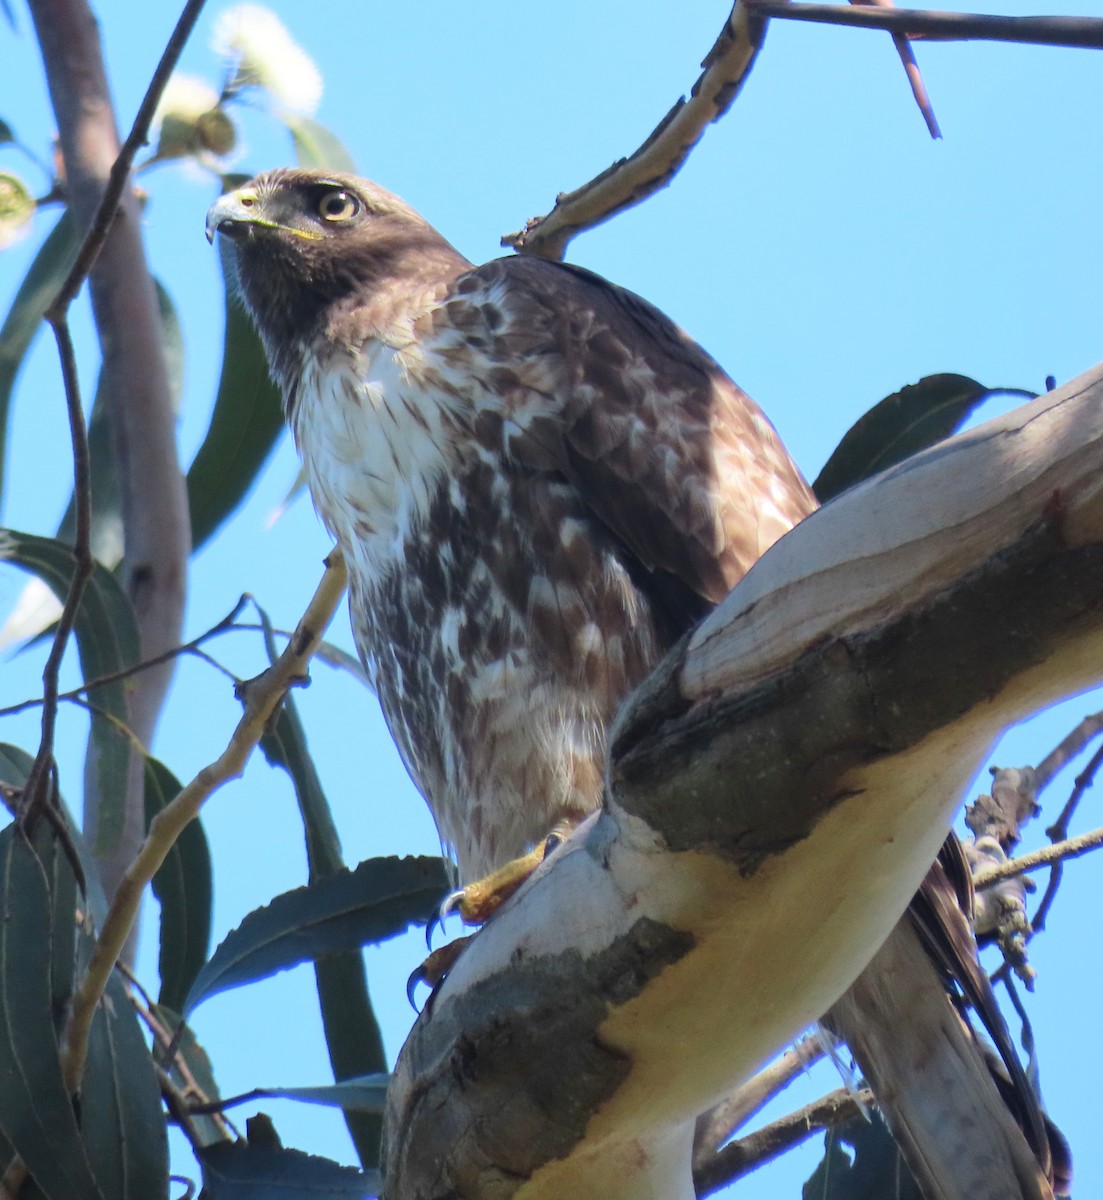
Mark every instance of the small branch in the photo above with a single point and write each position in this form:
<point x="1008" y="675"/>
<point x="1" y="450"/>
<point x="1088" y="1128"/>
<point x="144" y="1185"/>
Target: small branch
<point x="1075" y="32"/>
<point x="37" y="790"/>
<point x="650" y="168"/>
<point x="720" y="1122"/>
<point x="1069" y="747"/>
<point x="262" y="697"/>
<point x="760" y="1147"/>
<point x="226" y="625"/>
<point x="911" y="69"/>
<point x="1047" y="856"/>
<point x="1058" y="832"/>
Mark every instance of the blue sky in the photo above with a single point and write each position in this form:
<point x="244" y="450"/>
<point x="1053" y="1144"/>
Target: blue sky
<point x="818" y="243"/>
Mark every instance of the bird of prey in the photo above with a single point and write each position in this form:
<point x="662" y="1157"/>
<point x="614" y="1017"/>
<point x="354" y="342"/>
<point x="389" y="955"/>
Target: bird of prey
<point x="539" y="483"/>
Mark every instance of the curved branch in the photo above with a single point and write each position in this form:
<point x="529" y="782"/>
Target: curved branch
<point x="262" y="697"/>
<point x="650" y="168"/>
<point x="802" y="752"/>
<point x="1047" y="856"/>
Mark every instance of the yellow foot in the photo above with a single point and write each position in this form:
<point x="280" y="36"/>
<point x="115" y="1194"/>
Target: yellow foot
<point x="434" y="969"/>
<point x="479" y="901"/>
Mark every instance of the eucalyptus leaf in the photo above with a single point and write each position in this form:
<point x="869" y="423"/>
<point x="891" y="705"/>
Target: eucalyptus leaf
<point x="40" y="285"/>
<point x="36" y="1114"/>
<point x="183" y="888"/>
<point x="317" y="147"/>
<point x="353" y="1036"/>
<point x="246" y="421"/>
<point x="901" y="425"/>
<point x="243" y="1171"/>
<point x="378" y="900"/>
<point x="107" y="639"/>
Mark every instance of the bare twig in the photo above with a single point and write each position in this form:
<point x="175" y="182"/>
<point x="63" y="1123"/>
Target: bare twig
<point x="1075" y="32"/>
<point x="657" y="161"/>
<point x="720" y="1122"/>
<point x="226" y="625"/>
<point x="262" y="697"/>
<point x="1048" y="855"/>
<point x="1058" y="834"/>
<point x="911" y="68"/>
<point x="1069" y="747"/>
<point x="766" y="1143"/>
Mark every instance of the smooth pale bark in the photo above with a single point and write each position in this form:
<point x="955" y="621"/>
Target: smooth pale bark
<point x="777" y="790"/>
<point x="124" y="304"/>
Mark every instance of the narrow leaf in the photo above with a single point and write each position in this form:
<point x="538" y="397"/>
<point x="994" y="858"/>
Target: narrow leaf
<point x="50" y="266"/>
<point x="199" y="1080"/>
<point x="247" y="419"/>
<point x="15" y="769"/>
<point x="107" y="639"/>
<point x="242" y="1171"/>
<point x="901" y="425"/>
<point x="317" y="147"/>
<point x="183" y="887"/>
<point x="378" y="900"/>
<point x="36" y="1115"/>
<point x="353" y="1037"/>
<point x="364" y="1093"/>
<point x="122" y="1120"/>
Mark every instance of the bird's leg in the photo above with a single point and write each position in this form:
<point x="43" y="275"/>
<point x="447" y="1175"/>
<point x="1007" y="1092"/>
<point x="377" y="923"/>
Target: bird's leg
<point x="480" y="900"/>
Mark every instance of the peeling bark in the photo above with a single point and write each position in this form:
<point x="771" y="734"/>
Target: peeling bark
<point x="777" y="790"/>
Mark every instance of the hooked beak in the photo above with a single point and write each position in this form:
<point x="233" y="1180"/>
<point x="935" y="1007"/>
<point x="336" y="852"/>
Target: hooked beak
<point x="235" y="214"/>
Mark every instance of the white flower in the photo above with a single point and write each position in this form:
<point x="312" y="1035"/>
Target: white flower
<point x="263" y="53"/>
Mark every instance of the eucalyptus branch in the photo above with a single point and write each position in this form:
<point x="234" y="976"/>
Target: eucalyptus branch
<point x="1074" y="32"/>
<point x="745" y="1155"/>
<point x="226" y="625"/>
<point x="261" y="697"/>
<point x="651" y="167"/>
<point x="911" y="68"/>
<point x="721" y="1121"/>
<point x="1068" y="748"/>
<point x="1047" y="856"/>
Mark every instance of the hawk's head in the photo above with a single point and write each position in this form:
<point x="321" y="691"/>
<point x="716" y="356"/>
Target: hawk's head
<point x="309" y="248"/>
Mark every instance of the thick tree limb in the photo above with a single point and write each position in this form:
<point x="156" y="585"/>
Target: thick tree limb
<point x="777" y="790"/>
<point x="125" y="307"/>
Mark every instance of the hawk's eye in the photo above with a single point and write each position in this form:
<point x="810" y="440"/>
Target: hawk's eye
<point x="338" y="206"/>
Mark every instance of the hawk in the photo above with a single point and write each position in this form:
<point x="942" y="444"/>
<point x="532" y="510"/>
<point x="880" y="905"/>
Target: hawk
<point x="538" y="481"/>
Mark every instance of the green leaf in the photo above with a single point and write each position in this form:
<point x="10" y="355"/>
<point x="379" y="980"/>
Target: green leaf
<point x="243" y="1171"/>
<point x="247" y="419"/>
<point x="36" y="1115"/>
<point x="51" y="264"/>
<point x="353" y="1037"/>
<point x="877" y="1171"/>
<point x="107" y="639"/>
<point x="363" y="1093"/>
<point x="378" y="900"/>
<point x="901" y="425"/>
<point x="7" y="134"/>
<point x="199" y="1073"/>
<point x="182" y="885"/>
<point x="317" y="147"/>
<point x="122" y="1120"/>
<point x="15" y="769"/>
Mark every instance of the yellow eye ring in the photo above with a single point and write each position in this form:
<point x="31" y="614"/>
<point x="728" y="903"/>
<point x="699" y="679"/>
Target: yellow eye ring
<point x="338" y="206"/>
